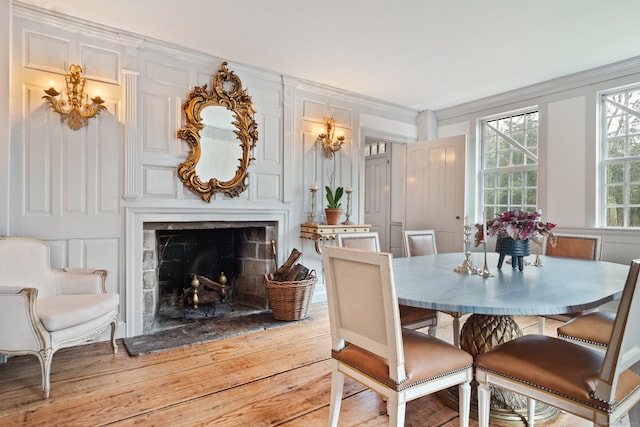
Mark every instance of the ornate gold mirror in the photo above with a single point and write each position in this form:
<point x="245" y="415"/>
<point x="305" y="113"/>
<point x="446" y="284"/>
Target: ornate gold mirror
<point x="216" y="122"/>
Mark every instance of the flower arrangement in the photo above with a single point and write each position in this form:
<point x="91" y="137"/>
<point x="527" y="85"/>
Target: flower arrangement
<point x="518" y="224"/>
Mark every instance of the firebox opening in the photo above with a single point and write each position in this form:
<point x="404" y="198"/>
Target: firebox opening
<point x="242" y="251"/>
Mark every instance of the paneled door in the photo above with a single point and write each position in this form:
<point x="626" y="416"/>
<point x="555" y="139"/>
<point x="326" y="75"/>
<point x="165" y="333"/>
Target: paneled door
<point x="435" y="190"/>
<point x="376" y="196"/>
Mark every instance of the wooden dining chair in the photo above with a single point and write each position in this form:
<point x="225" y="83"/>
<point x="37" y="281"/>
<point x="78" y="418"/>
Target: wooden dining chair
<point x="369" y="345"/>
<point x="410" y="317"/>
<point x="576" y="379"/>
<point x="423" y="242"/>
<point x="579" y="246"/>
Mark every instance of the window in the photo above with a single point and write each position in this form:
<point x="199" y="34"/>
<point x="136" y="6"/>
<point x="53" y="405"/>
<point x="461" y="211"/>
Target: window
<point x="509" y="168"/>
<point x="620" y="154"/>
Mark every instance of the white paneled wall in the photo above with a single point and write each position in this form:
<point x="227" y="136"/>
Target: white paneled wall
<point x="88" y="192"/>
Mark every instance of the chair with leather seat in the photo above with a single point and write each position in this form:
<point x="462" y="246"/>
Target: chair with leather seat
<point x="43" y="310"/>
<point x="578" y="246"/>
<point x="423" y="242"/>
<point x="585" y="382"/>
<point x="592" y="329"/>
<point x="369" y="345"/>
<point x="410" y="317"/>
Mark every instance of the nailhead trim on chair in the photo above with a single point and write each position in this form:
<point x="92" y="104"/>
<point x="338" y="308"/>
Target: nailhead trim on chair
<point x="395" y="385"/>
<point x="572" y="338"/>
<point x="614" y="405"/>
<point x="608" y="410"/>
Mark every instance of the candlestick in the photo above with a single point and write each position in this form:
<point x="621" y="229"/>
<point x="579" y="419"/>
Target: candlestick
<point x="467" y="266"/>
<point x="485" y="270"/>
<point x="348" y="214"/>
<point x="311" y="219"/>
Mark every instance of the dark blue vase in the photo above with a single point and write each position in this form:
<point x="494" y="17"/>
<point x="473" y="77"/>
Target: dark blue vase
<point x="517" y="249"/>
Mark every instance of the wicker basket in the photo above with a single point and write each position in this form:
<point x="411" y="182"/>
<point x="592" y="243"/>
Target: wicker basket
<point x="290" y="300"/>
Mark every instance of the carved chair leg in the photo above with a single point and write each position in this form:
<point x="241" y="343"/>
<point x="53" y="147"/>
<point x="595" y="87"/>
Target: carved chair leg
<point x="44" y="357"/>
<point x="114" y="326"/>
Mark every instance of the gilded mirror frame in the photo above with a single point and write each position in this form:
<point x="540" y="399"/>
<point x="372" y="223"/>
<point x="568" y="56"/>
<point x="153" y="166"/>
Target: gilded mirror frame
<point x="226" y="92"/>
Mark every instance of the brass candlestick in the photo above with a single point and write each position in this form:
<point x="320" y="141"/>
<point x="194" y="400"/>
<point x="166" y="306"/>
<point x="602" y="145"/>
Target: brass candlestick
<point x="467" y="266"/>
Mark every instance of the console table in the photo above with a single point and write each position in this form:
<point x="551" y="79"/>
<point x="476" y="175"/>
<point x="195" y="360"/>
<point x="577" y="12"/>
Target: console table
<point x="321" y="232"/>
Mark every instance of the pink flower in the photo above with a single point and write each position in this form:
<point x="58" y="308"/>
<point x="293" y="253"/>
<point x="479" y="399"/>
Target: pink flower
<point x="518" y="224"/>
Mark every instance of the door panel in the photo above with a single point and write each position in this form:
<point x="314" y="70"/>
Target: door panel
<point x="435" y="190"/>
<point x="376" y="198"/>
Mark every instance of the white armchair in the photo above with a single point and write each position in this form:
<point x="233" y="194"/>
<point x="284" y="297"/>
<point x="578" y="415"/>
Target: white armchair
<point x="43" y="310"/>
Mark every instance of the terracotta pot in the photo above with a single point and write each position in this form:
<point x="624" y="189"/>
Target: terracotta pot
<point x="334" y="215"/>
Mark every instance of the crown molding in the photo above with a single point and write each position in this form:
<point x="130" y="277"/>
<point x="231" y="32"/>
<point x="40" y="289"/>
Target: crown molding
<point x="561" y="84"/>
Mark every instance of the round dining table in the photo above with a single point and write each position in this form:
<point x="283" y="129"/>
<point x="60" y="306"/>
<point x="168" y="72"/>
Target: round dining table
<point x="553" y="285"/>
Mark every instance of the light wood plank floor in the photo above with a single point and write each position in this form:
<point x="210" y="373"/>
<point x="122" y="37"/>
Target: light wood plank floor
<point x="278" y="377"/>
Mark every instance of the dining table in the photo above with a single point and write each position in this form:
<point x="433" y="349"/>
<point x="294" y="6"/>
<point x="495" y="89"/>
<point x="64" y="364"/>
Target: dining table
<point x="548" y="286"/>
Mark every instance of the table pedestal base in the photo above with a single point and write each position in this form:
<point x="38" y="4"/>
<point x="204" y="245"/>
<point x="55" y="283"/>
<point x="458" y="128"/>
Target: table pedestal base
<point x="480" y="334"/>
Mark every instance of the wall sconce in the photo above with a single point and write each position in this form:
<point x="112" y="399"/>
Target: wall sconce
<point x="329" y="145"/>
<point x="72" y="110"/>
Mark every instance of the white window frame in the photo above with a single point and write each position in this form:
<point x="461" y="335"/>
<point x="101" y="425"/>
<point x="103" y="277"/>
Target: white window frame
<point x="495" y="207"/>
<point x="626" y="159"/>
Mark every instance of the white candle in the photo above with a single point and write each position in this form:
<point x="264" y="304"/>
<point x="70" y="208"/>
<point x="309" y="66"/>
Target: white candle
<point x="314" y="186"/>
<point x="348" y="189"/>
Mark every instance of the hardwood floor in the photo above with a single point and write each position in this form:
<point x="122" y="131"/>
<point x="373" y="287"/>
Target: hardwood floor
<point x="271" y="378"/>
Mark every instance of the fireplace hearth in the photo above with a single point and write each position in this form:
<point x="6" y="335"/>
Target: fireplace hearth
<point x="173" y="252"/>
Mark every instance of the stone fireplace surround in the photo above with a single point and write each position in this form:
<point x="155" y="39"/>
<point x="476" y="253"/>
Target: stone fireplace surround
<point x="141" y="299"/>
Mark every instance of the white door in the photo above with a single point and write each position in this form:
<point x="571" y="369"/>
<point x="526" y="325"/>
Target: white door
<point x="376" y="196"/>
<point x="435" y="190"/>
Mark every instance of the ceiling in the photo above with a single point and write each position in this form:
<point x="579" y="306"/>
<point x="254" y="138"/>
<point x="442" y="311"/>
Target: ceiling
<point x="421" y="54"/>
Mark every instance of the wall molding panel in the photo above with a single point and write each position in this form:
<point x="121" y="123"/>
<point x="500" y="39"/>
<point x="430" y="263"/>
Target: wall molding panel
<point x="88" y="192"/>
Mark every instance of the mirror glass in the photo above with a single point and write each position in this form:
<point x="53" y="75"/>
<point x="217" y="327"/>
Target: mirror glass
<point x="222" y="134"/>
<point x="218" y="145"/>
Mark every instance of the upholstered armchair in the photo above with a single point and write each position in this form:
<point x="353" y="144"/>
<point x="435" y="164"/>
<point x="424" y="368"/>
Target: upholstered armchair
<point x="43" y="310"/>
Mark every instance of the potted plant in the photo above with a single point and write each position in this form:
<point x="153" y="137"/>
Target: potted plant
<point x="514" y="229"/>
<point x="333" y="211"/>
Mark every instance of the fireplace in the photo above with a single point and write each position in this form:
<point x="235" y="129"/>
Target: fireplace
<point x="172" y="251"/>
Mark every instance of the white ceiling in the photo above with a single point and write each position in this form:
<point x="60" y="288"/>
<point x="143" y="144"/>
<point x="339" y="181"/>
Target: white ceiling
<point x="422" y="54"/>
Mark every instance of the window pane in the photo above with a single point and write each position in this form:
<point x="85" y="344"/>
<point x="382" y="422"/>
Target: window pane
<point x="502" y="197"/>
<point x="615" y="195"/>
<point x="532" y="179"/>
<point x="634" y="172"/>
<point x="634" y="145"/>
<point x="615" y="217"/>
<point x="518" y="158"/>
<point x="615" y="148"/>
<point x="490" y="180"/>
<point x="503" y="180"/>
<point x="490" y="197"/>
<point x="615" y="173"/>
<point x="634" y="217"/>
<point x="634" y="194"/>
<point x="516" y="197"/>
